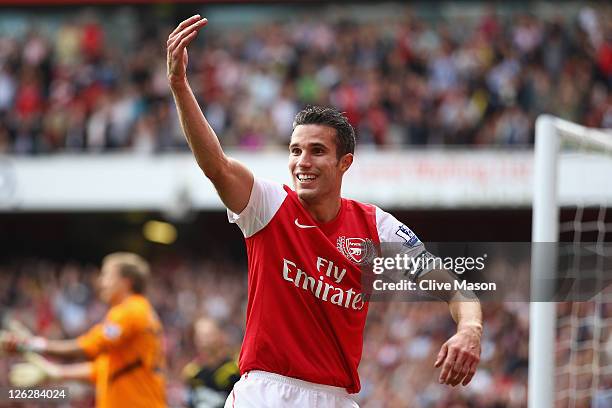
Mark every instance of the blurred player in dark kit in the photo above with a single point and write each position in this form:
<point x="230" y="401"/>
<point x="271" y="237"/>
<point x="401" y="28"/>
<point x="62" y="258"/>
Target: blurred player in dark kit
<point x="213" y="373"/>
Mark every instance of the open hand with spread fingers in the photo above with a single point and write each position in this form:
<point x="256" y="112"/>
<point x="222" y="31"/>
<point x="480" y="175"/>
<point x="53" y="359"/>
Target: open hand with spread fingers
<point x="177" y="43"/>
<point x="459" y="357"/>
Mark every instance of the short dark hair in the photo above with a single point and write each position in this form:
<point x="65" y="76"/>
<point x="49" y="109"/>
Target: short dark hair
<point x="133" y="267"/>
<point x="326" y="116"/>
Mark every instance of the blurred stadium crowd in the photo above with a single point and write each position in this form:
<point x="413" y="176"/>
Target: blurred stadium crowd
<point x="405" y="81"/>
<point x="401" y="340"/>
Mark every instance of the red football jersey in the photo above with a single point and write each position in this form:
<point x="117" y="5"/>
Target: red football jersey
<point x="306" y="313"/>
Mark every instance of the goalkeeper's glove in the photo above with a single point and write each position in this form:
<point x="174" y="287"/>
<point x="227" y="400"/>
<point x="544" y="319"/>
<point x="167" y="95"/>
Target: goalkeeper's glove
<point x="33" y="372"/>
<point x="11" y="342"/>
<point x="18" y="338"/>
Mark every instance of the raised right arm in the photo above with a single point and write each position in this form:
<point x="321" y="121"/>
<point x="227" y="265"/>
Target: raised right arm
<point x="232" y="180"/>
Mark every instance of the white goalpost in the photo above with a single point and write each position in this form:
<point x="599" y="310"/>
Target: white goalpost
<point x="549" y="359"/>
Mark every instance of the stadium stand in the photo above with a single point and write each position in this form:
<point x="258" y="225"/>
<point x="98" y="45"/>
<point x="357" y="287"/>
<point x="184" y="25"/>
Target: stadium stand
<point x="402" y="81"/>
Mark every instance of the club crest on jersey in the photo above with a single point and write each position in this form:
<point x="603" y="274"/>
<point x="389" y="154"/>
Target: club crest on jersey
<point x="410" y="237"/>
<point x="357" y="250"/>
<point x="111" y="331"/>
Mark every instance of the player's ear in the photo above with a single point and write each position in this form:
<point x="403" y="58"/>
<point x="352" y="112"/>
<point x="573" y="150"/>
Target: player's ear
<point x="346" y="161"/>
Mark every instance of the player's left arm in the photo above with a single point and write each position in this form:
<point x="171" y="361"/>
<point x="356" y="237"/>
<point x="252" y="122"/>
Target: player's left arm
<point x="460" y="355"/>
<point x="117" y="327"/>
<point x="60" y="348"/>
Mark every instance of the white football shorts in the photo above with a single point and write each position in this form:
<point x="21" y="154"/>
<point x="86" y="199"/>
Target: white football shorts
<point x="261" y="389"/>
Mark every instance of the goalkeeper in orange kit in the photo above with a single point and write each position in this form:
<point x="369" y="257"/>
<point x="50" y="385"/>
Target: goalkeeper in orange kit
<point x="124" y="352"/>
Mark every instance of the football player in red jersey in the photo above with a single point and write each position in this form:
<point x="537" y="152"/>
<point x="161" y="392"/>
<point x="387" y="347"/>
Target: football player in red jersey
<point x="305" y="311"/>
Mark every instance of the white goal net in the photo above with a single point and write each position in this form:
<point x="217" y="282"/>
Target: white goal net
<point x="570" y="362"/>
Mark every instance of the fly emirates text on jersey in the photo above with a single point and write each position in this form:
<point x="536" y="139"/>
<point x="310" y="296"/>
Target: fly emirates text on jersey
<point x="320" y="289"/>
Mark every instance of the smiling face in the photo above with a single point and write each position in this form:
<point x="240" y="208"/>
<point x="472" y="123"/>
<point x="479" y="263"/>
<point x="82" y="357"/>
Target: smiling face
<point x="313" y="163"/>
